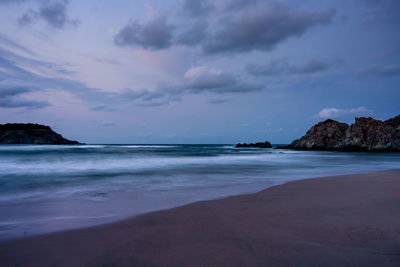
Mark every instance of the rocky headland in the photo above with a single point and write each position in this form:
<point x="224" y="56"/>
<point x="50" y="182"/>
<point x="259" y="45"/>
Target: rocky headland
<point x="365" y="134"/>
<point x="29" y="133"/>
<point x="265" y="144"/>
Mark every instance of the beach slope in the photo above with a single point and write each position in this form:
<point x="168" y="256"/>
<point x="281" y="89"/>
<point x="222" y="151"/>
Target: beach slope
<point x="351" y="220"/>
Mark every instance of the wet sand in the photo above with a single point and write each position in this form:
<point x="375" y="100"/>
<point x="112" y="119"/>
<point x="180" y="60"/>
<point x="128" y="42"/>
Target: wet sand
<point x="350" y="220"/>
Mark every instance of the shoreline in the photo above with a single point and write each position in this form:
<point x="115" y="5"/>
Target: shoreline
<point x="346" y="219"/>
<point x="66" y="225"/>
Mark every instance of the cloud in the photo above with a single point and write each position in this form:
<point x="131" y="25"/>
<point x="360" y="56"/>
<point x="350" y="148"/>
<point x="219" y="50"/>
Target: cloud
<point x="218" y="101"/>
<point x="332" y="113"/>
<point x="273" y="130"/>
<point x="24" y="66"/>
<point x="27" y="18"/>
<point x="194" y="35"/>
<point x="106" y="124"/>
<point x="162" y="95"/>
<point x="379" y="71"/>
<point x="197" y="7"/>
<point x="4" y="41"/>
<point x="22" y="76"/>
<point x="102" y="108"/>
<point x="154" y="34"/>
<point x="7" y="90"/>
<point x="16" y="102"/>
<point x="54" y="13"/>
<point x="12" y="96"/>
<point x="196" y="80"/>
<point x="262" y="28"/>
<point x="382" y="11"/>
<point x="258" y="26"/>
<point x="235" y="5"/>
<point x="311" y="66"/>
<point x="144" y="95"/>
<point x="275" y="68"/>
<point x="200" y="79"/>
<point x="12" y="1"/>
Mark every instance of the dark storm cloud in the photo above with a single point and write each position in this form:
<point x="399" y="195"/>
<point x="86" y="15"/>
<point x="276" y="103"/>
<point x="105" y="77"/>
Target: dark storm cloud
<point x="197" y="7"/>
<point x="262" y="28"/>
<point x="154" y="34"/>
<point x="379" y="71"/>
<point x="53" y="12"/>
<point x="194" y="35"/>
<point x="275" y="68"/>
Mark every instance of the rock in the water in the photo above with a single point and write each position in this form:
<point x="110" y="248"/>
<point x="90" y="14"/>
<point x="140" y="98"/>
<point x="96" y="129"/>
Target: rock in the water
<point x="265" y="144"/>
<point x="366" y="134"/>
<point x="326" y="135"/>
<point x="29" y="133"/>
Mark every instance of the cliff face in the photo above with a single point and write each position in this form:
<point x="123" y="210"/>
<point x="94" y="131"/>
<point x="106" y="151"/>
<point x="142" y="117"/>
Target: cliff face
<point x="366" y="134"/>
<point x="21" y="133"/>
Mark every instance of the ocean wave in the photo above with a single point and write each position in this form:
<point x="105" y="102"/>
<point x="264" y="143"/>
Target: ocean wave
<point x="104" y="168"/>
<point x="111" y="164"/>
<point x="148" y="146"/>
<point x="16" y="148"/>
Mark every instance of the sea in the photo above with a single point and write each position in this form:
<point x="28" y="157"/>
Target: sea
<point x="47" y="188"/>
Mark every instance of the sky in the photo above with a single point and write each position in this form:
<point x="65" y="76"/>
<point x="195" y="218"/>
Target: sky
<point x="197" y="71"/>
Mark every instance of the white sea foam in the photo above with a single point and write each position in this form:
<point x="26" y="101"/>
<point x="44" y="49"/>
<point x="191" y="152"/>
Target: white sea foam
<point x="114" y="164"/>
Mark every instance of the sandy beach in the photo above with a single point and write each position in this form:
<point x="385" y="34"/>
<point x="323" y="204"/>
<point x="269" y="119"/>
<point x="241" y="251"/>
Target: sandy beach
<point x="350" y="220"/>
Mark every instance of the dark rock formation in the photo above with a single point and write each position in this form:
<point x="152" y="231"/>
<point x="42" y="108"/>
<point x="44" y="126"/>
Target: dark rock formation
<point x="326" y="135"/>
<point x="366" y="134"/>
<point x="260" y="145"/>
<point x="29" y="133"/>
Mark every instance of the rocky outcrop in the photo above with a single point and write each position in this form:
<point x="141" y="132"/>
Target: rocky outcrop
<point x="366" y="134"/>
<point x="260" y="145"/>
<point x="29" y="133"/>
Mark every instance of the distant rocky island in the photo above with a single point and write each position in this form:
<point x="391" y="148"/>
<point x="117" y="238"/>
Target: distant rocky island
<point x="366" y="134"/>
<point x="29" y="133"/>
<point x="260" y="145"/>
